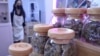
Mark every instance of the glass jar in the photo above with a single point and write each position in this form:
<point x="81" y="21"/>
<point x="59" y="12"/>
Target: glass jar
<point x="60" y="42"/>
<point x="91" y="29"/>
<point x="20" y="49"/>
<point x="74" y="20"/>
<point x="40" y="38"/>
<point x="59" y="15"/>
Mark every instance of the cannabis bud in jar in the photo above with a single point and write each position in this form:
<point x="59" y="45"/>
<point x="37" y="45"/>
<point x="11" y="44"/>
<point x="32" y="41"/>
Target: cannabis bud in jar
<point x="40" y="37"/>
<point x="91" y="30"/>
<point x="60" y="42"/>
<point x="74" y="20"/>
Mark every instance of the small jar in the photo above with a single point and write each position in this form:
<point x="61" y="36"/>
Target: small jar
<point x="60" y="42"/>
<point x="74" y="20"/>
<point x="59" y="15"/>
<point x="91" y="29"/>
<point x="40" y="38"/>
<point x="20" y="49"/>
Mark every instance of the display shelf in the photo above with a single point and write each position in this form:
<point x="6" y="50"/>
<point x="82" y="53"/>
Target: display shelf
<point x="86" y="49"/>
<point x="4" y="15"/>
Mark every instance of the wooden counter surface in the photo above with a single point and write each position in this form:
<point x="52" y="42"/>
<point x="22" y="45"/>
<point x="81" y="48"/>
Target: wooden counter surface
<point x="86" y="49"/>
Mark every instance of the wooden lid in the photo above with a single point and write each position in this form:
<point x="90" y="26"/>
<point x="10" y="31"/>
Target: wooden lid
<point x="75" y="10"/>
<point x="95" y="17"/>
<point x="20" y="49"/>
<point x="59" y="12"/>
<point x="42" y="28"/>
<point x="61" y="41"/>
<point x="61" y="33"/>
<point x="93" y="11"/>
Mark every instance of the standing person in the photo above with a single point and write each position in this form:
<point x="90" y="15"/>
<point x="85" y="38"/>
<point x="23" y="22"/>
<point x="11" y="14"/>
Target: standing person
<point x="18" y="21"/>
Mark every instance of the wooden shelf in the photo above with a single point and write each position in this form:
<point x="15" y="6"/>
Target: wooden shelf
<point x="86" y="49"/>
<point x="3" y="2"/>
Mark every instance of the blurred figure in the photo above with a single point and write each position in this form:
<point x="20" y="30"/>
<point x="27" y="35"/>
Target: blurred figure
<point x="78" y="4"/>
<point x="88" y="4"/>
<point x="72" y="3"/>
<point x="18" y="21"/>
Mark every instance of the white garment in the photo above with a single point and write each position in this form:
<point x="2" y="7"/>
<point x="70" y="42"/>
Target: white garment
<point x="18" y="29"/>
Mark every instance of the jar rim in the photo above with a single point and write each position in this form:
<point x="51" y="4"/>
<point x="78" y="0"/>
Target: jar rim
<point x="42" y="27"/>
<point x="93" y="11"/>
<point x="59" y="10"/>
<point x="75" y="11"/>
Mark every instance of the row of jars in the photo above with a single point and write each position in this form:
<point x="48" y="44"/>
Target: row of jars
<point x="50" y="41"/>
<point x="57" y="39"/>
<point x="85" y="22"/>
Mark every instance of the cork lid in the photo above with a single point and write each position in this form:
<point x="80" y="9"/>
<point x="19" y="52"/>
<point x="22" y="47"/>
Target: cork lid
<point x="59" y="12"/>
<point x="93" y="11"/>
<point x="42" y="28"/>
<point x="60" y="41"/>
<point x="61" y="33"/>
<point x="75" y="10"/>
<point x="20" y="48"/>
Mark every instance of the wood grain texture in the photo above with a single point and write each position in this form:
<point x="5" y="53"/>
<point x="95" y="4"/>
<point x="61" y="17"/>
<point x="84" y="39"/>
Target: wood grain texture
<point x="86" y="49"/>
